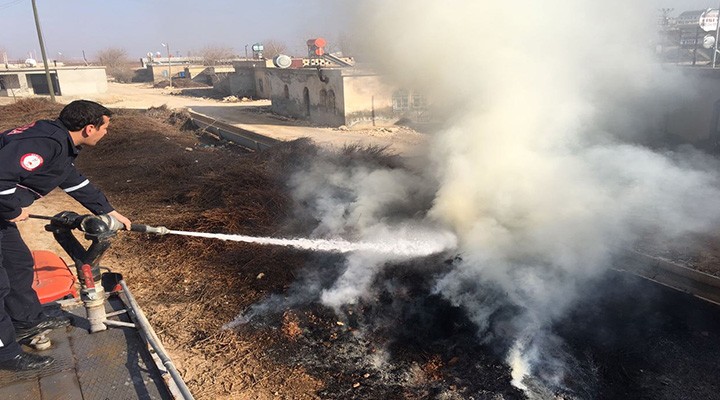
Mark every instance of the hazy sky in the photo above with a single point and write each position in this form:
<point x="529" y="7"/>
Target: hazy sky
<point x="140" y="26"/>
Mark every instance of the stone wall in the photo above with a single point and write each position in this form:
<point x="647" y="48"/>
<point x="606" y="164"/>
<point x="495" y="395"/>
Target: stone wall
<point x="308" y="94"/>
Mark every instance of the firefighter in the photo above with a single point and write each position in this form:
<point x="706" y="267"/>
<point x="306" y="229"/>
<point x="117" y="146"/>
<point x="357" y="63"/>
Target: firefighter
<point x="34" y="160"/>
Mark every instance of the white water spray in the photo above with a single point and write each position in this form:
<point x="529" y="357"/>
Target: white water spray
<point x="419" y="246"/>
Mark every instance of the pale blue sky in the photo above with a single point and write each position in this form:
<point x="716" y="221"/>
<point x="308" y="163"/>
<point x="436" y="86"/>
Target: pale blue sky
<point x="139" y="26"/>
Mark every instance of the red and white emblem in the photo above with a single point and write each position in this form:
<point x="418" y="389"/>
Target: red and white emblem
<point x="31" y="161"/>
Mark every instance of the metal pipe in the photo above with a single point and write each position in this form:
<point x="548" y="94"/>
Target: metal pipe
<point x="119" y="323"/>
<point x="114" y="313"/>
<point x="155" y="343"/>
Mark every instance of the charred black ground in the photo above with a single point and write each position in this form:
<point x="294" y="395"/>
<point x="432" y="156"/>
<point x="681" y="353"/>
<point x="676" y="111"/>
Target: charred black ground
<point x="641" y="340"/>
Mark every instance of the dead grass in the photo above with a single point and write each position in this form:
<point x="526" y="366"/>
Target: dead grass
<point x="154" y="172"/>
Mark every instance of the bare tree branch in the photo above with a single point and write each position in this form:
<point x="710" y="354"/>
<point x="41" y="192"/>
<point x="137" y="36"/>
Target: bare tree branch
<point x="213" y="55"/>
<point x="273" y="48"/>
<point x="116" y="63"/>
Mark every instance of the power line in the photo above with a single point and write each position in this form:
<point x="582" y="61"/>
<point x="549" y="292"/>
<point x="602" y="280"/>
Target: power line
<point x="10" y="4"/>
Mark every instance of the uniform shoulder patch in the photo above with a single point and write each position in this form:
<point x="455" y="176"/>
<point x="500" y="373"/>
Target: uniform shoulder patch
<point x="21" y="129"/>
<point x="31" y="161"/>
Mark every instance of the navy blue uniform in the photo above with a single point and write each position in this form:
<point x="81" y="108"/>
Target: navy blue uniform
<point x="34" y="160"/>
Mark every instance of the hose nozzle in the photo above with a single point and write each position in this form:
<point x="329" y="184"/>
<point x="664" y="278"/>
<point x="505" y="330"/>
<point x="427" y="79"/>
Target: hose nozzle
<point x="158" y="230"/>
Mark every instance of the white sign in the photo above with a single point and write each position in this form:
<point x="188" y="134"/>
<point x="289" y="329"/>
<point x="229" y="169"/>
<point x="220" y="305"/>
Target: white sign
<point x="709" y="20"/>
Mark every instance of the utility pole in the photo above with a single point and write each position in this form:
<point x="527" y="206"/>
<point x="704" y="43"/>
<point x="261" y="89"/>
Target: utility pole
<point x="167" y="46"/>
<point x="717" y="36"/>
<point x="44" y="56"/>
<point x="697" y="39"/>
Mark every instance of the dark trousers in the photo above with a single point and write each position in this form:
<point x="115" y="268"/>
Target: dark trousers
<point x="18" y="301"/>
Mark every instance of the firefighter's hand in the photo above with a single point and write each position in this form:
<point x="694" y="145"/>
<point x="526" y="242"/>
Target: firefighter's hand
<point x="24" y="214"/>
<point x="121" y="218"/>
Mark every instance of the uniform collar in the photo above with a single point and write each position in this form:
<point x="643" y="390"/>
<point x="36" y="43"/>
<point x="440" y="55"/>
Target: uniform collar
<point x="74" y="150"/>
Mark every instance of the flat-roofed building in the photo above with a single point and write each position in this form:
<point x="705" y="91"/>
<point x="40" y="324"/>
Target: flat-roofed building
<point x="67" y="81"/>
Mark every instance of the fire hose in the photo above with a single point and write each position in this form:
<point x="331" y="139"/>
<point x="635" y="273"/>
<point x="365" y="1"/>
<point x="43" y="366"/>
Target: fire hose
<point x="99" y="230"/>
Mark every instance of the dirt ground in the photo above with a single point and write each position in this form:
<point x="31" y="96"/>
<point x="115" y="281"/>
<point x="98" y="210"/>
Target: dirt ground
<point x="157" y="172"/>
<point x="182" y="284"/>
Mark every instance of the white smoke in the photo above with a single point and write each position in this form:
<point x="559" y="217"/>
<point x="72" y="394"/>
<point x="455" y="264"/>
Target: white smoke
<point x="369" y="204"/>
<point x="540" y="172"/>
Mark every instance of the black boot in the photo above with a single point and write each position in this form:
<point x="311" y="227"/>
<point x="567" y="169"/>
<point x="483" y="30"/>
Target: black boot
<point x="26" y="362"/>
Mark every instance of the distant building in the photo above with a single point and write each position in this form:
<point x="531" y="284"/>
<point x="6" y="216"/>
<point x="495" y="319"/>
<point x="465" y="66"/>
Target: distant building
<point x="688" y="24"/>
<point x="689" y="20"/>
<point x="330" y="96"/>
<point x="67" y="81"/>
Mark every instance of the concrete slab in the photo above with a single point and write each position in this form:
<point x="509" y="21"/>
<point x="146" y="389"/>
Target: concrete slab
<point x="61" y="386"/>
<point x="113" y="364"/>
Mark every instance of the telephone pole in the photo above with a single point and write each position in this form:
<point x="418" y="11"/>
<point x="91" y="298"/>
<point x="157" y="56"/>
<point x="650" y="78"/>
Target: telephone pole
<point x="167" y="46"/>
<point x="44" y="56"/>
<point x="717" y="36"/>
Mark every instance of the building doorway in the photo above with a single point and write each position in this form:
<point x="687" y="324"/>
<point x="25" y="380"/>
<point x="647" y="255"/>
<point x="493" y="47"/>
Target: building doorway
<point x="306" y="101"/>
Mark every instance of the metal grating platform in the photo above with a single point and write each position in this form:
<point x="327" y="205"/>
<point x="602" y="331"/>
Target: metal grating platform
<point x="114" y="364"/>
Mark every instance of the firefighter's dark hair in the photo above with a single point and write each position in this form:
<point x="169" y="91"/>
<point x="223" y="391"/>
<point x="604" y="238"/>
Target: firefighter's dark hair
<point x="81" y="113"/>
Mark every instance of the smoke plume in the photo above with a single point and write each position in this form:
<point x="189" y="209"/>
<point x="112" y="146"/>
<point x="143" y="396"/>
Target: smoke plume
<point x="541" y="169"/>
<point x="367" y="200"/>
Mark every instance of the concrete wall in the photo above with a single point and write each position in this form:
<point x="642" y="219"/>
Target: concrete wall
<point x="249" y="79"/>
<point x="336" y="96"/>
<point x="263" y="86"/>
<point x="70" y="81"/>
<point x="240" y="83"/>
<point x="300" y="93"/>
<point x="197" y="74"/>
<point x="82" y="81"/>
<point x="159" y="72"/>
<point x="14" y="84"/>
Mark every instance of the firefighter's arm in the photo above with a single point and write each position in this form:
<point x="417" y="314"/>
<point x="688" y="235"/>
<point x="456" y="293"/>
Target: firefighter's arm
<point x="81" y="189"/>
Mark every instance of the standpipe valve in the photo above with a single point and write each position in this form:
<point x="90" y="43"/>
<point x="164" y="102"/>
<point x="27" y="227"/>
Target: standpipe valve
<point x="99" y="230"/>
